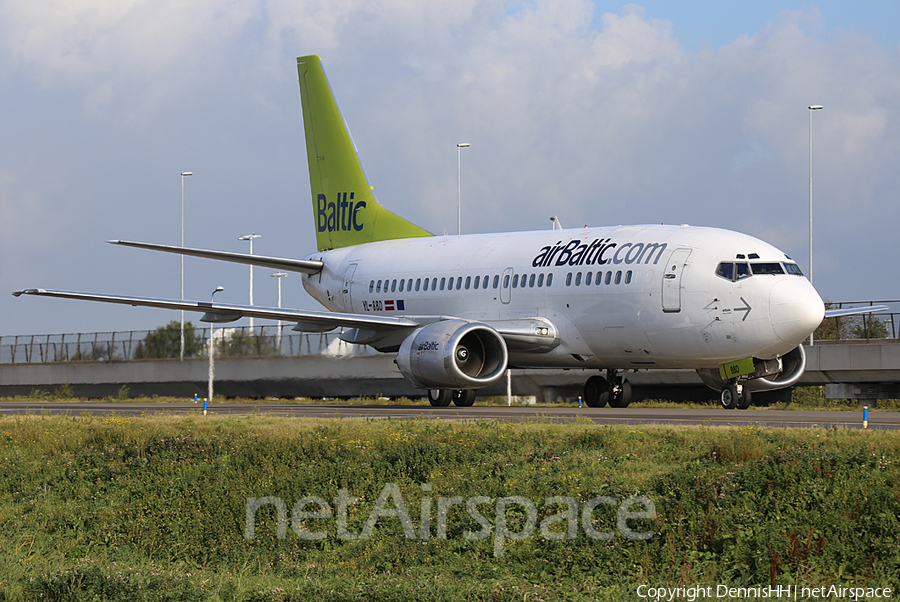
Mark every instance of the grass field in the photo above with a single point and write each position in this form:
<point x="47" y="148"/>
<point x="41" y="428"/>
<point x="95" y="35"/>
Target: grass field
<point x="156" y="508"/>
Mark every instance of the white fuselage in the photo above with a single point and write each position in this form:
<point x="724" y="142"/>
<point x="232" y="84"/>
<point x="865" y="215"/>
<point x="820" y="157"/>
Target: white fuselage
<point x="620" y="297"/>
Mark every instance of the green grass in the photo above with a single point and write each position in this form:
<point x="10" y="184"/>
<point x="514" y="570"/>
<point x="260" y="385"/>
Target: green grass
<point x="154" y="508"/>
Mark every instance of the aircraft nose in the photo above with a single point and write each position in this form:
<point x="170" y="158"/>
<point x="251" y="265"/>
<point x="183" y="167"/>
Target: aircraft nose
<point x="795" y="309"/>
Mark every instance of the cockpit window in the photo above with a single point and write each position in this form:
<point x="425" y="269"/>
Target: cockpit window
<point x="725" y="270"/>
<point x="738" y="271"/>
<point x="767" y="269"/>
<point x="733" y="271"/>
<point x="793" y="268"/>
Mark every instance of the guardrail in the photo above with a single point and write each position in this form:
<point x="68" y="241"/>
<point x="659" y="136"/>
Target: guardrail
<point x="264" y="341"/>
<point x="261" y="341"/>
<point x="888" y="319"/>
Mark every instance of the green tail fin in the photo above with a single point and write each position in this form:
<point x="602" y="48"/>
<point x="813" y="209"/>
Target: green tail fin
<point x="344" y="207"/>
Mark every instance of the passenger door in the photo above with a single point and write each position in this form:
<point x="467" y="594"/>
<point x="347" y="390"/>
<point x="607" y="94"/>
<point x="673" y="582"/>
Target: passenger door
<point x="348" y="287"/>
<point x="671" y="284"/>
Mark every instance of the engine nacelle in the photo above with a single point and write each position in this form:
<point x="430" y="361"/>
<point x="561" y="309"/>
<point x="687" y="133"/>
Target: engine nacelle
<point x="790" y="369"/>
<point x="453" y="354"/>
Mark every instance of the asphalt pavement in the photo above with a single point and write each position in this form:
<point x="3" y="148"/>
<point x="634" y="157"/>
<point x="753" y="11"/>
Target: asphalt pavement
<point x="635" y="416"/>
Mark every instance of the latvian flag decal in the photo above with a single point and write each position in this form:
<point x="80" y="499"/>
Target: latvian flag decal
<point x="391" y="305"/>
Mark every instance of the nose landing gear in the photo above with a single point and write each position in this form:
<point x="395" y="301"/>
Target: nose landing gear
<point x="734" y="396"/>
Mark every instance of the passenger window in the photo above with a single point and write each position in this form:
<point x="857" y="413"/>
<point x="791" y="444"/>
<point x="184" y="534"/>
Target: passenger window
<point x="394" y="286"/>
<point x="443" y="282"/>
<point x="549" y="279"/>
<point x="608" y="277"/>
<point x="619" y="277"/>
<point x="516" y="281"/>
<point x="541" y="280"/>
<point x="742" y="270"/>
<point x="506" y="281"/>
<point x="485" y="285"/>
<point x="531" y="281"/>
<point x="599" y="278"/>
<point x="578" y="279"/>
<point x="418" y="284"/>
<point x="469" y="281"/>
<point x="378" y="287"/>
<point x="496" y="280"/>
<point x="434" y="284"/>
<point x="587" y="278"/>
<point x="628" y="277"/>
<point x="459" y="283"/>
<point x="371" y="286"/>
<point x="402" y="282"/>
<point x="569" y="279"/>
<point x="426" y="285"/>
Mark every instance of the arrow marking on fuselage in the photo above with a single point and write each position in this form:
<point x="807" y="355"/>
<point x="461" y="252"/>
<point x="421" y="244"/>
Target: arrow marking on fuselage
<point x="745" y="309"/>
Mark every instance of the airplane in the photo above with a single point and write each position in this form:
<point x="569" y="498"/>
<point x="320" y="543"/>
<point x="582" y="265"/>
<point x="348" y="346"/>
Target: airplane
<point x="458" y="311"/>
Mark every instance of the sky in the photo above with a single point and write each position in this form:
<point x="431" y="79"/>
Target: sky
<point x="601" y="113"/>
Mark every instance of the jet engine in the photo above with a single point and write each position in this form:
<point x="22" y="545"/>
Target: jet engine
<point x="453" y="354"/>
<point x="772" y="374"/>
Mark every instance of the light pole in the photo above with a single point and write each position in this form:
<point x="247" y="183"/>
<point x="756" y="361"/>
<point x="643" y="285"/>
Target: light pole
<point x="212" y="327"/>
<point x="250" y="237"/>
<point x="279" y="276"/>
<point x="183" y="175"/>
<point x="811" y="109"/>
<point x="459" y="148"/>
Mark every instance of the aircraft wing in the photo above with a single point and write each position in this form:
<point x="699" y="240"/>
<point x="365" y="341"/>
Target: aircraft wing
<point x="852" y="311"/>
<point x="536" y="335"/>
<point x="227" y="312"/>
<point x="306" y="266"/>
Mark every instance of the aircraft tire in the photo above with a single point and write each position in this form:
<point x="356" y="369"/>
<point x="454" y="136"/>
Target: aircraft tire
<point x="622" y="397"/>
<point x="440" y="398"/>
<point x="729" y="397"/>
<point x="596" y="392"/>
<point x="745" y="401"/>
<point x="464" y="398"/>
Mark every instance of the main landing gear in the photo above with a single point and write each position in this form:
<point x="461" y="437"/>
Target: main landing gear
<point x="441" y="398"/>
<point x="735" y="396"/>
<point x="615" y="390"/>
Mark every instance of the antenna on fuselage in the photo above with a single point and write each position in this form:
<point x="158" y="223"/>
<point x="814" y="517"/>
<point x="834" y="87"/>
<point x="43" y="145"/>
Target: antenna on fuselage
<point x="555" y="222"/>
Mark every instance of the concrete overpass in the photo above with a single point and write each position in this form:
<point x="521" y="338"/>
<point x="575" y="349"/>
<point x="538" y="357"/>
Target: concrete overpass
<point x="850" y="369"/>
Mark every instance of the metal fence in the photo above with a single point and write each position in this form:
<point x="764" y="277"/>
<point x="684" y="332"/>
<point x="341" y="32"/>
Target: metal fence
<point x="149" y="344"/>
<point x="261" y="341"/>
<point x="889" y="320"/>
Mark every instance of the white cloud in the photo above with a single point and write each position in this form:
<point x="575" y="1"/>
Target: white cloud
<point x="608" y="125"/>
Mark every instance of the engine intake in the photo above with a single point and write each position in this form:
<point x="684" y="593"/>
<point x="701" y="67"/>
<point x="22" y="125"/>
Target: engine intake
<point x="453" y="354"/>
<point x="792" y="365"/>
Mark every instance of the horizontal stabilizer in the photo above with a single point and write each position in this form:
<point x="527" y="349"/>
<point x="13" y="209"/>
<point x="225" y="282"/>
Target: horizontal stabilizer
<point x="305" y="266"/>
<point x="853" y="311"/>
